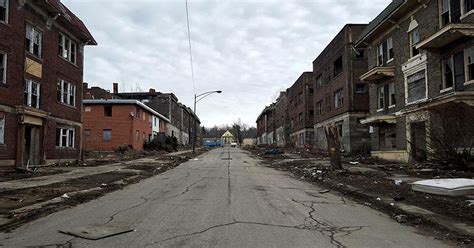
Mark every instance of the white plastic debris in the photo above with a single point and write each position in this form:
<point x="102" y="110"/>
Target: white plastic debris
<point x="65" y="196"/>
<point x="196" y="159"/>
<point x="319" y="171"/>
<point x="470" y="203"/>
<point x="353" y="163"/>
<point x="453" y="187"/>
<point x="103" y="184"/>
<point x="398" y="181"/>
<point x="392" y="204"/>
<point x="324" y="191"/>
<point x="378" y="199"/>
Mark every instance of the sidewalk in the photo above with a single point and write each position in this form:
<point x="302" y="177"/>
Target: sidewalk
<point x="23" y="200"/>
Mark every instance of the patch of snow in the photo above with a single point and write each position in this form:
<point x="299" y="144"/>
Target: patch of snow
<point x="447" y="183"/>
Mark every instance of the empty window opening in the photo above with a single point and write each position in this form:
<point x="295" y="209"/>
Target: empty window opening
<point x="338" y="66"/>
<point x="107" y="110"/>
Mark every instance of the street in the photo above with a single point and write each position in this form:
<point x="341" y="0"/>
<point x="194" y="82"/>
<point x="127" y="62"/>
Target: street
<point x="224" y="198"/>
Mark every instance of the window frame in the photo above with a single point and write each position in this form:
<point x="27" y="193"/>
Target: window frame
<point x="426" y="86"/>
<point x="464" y="11"/>
<point x="338" y="103"/>
<point x="358" y="91"/>
<point x="467" y="80"/>
<point x="380" y="54"/>
<point x="391" y="92"/>
<point x="65" y="91"/>
<point x="7" y="8"/>
<point x="4" y="63"/>
<point x="28" y="89"/>
<point x="30" y="49"/>
<point x="443" y="73"/>
<point x="104" y="137"/>
<point x="441" y="13"/>
<point x="319" y="108"/>
<point x="2" y="129"/>
<point x="65" y="48"/>
<point x="66" y="132"/>
<point x="390" y="57"/>
<point x="412" y="44"/>
<point x="380" y="98"/>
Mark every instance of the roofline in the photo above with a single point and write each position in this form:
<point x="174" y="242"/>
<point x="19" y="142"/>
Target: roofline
<point x="123" y="101"/>
<point x="372" y="29"/>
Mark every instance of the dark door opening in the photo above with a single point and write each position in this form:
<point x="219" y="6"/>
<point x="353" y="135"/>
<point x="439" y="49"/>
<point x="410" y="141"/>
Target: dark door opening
<point x="418" y="141"/>
<point x="31" y="145"/>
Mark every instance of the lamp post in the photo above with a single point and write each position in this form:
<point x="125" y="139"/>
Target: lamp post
<point x="198" y="98"/>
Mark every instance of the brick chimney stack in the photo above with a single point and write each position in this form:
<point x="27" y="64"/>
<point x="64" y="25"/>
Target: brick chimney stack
<point x="115" y="90"/>
<point x="152" y="91"/>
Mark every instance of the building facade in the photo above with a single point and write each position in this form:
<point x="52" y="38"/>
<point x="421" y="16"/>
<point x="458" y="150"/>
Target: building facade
<point x="110" y="124"/>
<point x="282" y="128"/>
<point x="266" y="126"/>
<point x="341" y="99"/>
<point x="41" y="73"/>
<point x="301" y="116"/>
<point x="421" y="77"/>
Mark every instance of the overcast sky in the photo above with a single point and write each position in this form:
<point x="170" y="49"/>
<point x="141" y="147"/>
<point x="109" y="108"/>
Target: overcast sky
<point x="248" y="49"/>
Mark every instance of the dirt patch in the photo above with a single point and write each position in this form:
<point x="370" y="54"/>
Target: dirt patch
<point x="371" y="187"/>
<point x="15" y="175"/>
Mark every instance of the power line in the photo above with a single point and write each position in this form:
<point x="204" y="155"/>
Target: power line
<point x="190" y="48"/>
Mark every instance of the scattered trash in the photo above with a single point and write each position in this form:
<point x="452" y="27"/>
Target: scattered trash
<point x="314" y="174"/>
<point x="319" y="171"/>
<point x="196" y="159"/>
<point x="324" y="191"/>
<point x="103" y="185"/>
<point x="353" y="163"/>
<point x="273" y="152"/>
<point x="367" y="204"/>
<point x="65" y="196"/>
<point x="378" y="199"/>
<point x="470" y="203"/>
<point x="398" y="182"/>
<point x="401" y="218"/>
<point x="398" y="198"/>
<point x="392" y="204"/>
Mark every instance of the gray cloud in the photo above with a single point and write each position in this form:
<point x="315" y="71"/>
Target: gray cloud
<point x="248" y="49"/>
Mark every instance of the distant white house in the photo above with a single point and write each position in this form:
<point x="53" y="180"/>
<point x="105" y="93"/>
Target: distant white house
<point x="227" y="138"/>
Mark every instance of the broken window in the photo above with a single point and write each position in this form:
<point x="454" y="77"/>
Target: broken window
<point x="445" y="12"/>
<point x="4" y="11"/>
<point x="33" y="40"/>
<point x="2" y="129"/>
<point x="300" y="118"/>
<point x="3" y="67"/>
<point x="458" y="61"/>
<point x="107" y="134"/>
<point x="338" y="99"/>
<point x="416" y="86"/>
<point x="380" y="55"/>
<point x="470" y="63"/>
<point x="319" y="108"/>
<point x="380" y="98"/>
<point x="448" y="73"/>
<point x="414" y="39"/>
<point x="108" y="111"/>
<point x="32" y="94"/>
<point x="67" y="49"/>
<point x="319" y="81"/>
<point x="339" y="128"/>
<point x="390" y="53"/>
<point x="391" y="95"/>
<point x="65" y="137"/>
<point x="66" y="93"/>
<point x="360" y="88"/>
<point x="338" y="66"/>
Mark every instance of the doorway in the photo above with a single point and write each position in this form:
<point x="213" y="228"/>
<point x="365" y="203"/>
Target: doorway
<point x="418" y="141"/>
<point x="31" y="145"/>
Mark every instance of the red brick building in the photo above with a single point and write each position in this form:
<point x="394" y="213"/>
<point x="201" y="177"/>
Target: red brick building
<point x="41" y="54"/>
<point x="111" y="123"/>
<point x="301" y="116"/>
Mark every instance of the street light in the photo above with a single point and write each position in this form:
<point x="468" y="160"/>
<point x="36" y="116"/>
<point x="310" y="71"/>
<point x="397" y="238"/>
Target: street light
<point x="198" y="98"/>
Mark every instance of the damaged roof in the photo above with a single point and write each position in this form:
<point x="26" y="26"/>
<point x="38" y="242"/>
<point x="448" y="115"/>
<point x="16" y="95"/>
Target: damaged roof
<point x="70" y="17"/>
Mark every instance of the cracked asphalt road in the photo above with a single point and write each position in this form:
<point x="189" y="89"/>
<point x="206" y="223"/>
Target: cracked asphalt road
<point x="223" y="199"/>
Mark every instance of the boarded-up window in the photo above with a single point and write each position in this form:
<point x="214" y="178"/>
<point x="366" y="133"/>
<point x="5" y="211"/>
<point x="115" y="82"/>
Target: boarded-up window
<point x="416" y="86"/>
<point x="107" y="134"/>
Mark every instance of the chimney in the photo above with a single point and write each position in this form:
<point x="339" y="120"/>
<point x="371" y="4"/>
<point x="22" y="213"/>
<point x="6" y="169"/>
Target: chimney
<point x="152" y="91"/>
<point x="85" y="85"/>
<point x="115" y="91"/>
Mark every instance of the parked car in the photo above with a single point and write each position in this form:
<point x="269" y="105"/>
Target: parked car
<point x="233" y="144"/>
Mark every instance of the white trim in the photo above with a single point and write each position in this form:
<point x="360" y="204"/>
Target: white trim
<point x="66" y="54"/>
<point x="390" y="60"/>
<point x="446" y="90"/>
<point x="65" y="132"/>
<point x="34" y="30"/>
<point x="469" y="82"/>
<point x="7" y="12"/>
<point x="29" y="90"/>
<point x="392" y="106"/>
<point x="380" y="110"/>
<point x="5" y="65"/>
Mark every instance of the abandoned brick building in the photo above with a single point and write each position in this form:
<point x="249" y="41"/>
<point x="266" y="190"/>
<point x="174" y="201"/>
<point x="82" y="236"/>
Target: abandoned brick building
<point x="341" y="99"/>
<point x="282" y="128"/>
<point x="421" y="77"/>
<point x="301" y="116"/>
<point x="266" y="126"/>
<point x="42" y="47"/>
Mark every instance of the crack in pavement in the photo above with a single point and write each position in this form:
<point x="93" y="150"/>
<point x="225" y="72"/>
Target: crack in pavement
<point x="144" y="199"/>
<point x="326" y="228"/>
